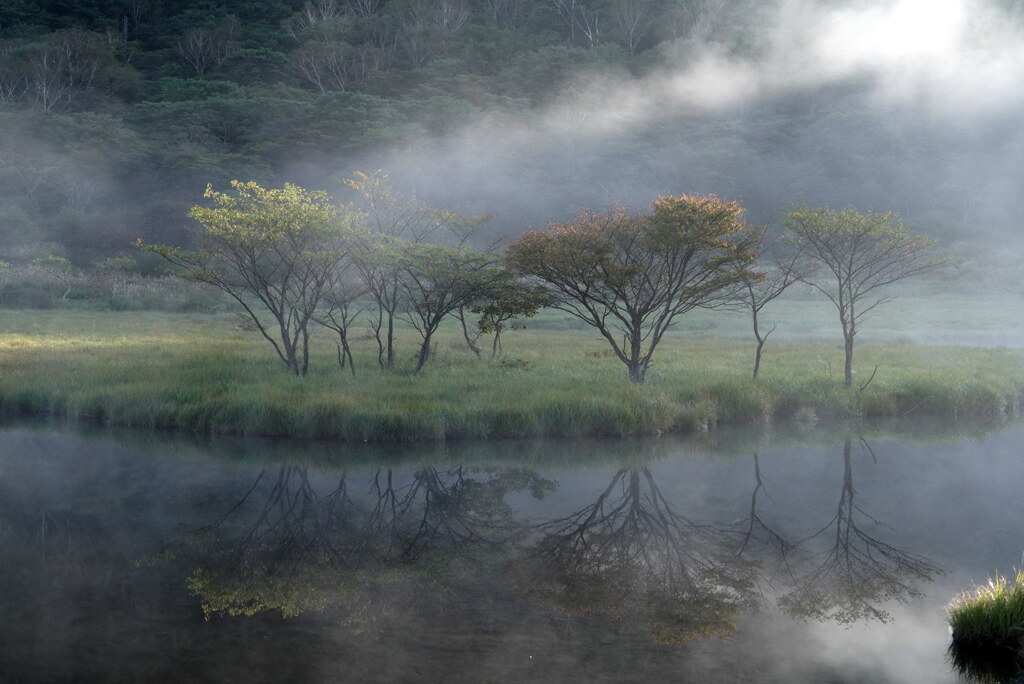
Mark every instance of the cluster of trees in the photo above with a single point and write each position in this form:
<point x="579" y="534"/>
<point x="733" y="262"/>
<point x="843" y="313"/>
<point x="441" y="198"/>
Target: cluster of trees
<point x="291" y="257"/>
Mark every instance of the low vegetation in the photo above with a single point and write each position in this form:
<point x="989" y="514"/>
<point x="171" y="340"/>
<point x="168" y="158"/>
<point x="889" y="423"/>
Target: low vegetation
<point x="988" y="630"/>
<point x="206" y="373"/>
<point x="991" y="615"/>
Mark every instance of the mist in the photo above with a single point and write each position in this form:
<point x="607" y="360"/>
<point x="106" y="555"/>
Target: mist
<point x="909" y="106"/>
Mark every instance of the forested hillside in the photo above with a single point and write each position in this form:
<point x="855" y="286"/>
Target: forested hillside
<point x="114" y="115"/>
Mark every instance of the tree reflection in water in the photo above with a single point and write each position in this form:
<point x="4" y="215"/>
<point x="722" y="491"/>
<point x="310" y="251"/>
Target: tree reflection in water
<point x="858" y="572"/>
<point x="629" y="555"/>
<point x="306" y="551"/>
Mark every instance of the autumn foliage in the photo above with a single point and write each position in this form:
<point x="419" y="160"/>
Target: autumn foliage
<point x="630" y="275"/>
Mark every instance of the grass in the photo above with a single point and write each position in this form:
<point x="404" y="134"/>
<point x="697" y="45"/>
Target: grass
<point x="204" y="373"/>
<point x="991" y="615"/>
<point x="988" y="629"/>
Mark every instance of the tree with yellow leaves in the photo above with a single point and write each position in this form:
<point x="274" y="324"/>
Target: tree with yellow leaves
<point x="274" y="251"/>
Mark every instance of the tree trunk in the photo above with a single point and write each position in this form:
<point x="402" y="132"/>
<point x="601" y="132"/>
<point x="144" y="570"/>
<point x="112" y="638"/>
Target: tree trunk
<point x="496" y="345"/>
<point x="636" y="371"/>
<point x="757" y="357"/>
<point x="424" y="353"/>
<point x="305" y="351"/>
<point x="465" y="334"/>
<point x="390" y="363"/>
<point x="347" y="351"/>
<point x="848" y="368"/>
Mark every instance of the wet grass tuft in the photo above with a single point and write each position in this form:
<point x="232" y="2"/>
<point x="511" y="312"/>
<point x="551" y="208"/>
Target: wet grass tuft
<point x="990" y="616"/>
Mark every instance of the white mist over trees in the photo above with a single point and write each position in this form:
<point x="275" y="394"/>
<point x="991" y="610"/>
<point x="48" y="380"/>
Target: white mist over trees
<point x="525" y="110"/>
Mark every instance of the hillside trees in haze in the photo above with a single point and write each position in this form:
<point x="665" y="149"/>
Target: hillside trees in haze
<point x="168" y="96"/>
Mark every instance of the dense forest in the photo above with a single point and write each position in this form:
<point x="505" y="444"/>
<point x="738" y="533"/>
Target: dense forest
<point x="114" y="115"/>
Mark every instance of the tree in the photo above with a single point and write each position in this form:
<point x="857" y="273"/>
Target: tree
<point x="508" y="301"/>
<point x="758" y="290"/>
<point x="858" y="255"/>
<point x="341" y="306"/>
<point x="275" y="252"/>
<point x="398" y="222"/>
<point x="631" y="275"/>
<point x="437" y="281"/>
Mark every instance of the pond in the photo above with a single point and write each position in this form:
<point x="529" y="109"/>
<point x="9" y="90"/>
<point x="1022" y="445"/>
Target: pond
<point x="810" y="555"/>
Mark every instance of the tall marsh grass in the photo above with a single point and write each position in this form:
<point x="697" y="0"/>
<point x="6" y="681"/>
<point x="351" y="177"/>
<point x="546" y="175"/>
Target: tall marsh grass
<point x="992" y="615"/>
<point x="205" y="373"/>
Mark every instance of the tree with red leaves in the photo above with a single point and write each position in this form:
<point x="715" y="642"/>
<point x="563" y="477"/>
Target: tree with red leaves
<point x="629" y="275"/>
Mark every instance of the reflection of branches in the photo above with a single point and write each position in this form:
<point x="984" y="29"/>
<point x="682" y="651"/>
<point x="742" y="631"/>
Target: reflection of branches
<point x="757" y="537"/>
<point x="303" y="550"/>
<point x="629" y="552"/>
<point x="279" y="561"/>
<point x="446" y="510"/>
<point x="859" y="571"/>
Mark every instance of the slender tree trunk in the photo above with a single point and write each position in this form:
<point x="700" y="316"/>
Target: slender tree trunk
<point x="347" y="351"/>
<point x="305" y="351"/>
<point x="757" y="357"/>
<point x="390" y="363"/>
<point x="760" y="346"/>
<point x="496" y="345"/>
<point x="465" y="333"/>
<point x="424" y="352"/>
<point x="848" y="368"/>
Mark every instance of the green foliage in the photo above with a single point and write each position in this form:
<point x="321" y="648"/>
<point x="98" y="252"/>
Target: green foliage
<point x="274" y="252"/>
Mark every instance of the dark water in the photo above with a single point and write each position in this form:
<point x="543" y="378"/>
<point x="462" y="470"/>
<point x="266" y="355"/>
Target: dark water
<point x="771" y="558"/>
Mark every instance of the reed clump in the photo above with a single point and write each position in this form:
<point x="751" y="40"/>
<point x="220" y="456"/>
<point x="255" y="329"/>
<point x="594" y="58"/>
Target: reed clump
<point x="992" y="615"/>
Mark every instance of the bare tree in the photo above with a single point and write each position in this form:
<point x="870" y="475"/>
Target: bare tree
<point x="341" y="307"/>
<point x="65" y="65"/>
<point x="330" y="66"/>
<point x="633" y="22"/>
<point x="507" y="13"/>
<point x="396" y="220"/>
<point x="202" y="48"/>
<point x="582" y="17"/>
<point x="364" y="8"/>
<point x="755" y="293"/>
<point x="138" y="10"/>
<point x="313" y="18"/>
<point x="858" y="255"/>
<point x="13" y="81"/>
<point x="437" y="281"/>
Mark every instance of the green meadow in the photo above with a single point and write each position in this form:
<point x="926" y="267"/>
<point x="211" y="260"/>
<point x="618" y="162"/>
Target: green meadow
<point x="207" y="373"/>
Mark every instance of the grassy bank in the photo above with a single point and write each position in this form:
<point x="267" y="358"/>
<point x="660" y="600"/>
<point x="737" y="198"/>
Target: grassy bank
<point x="205" y="373"/>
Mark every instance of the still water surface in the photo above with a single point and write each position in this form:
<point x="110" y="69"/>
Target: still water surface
<point x="804" y="557"/>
